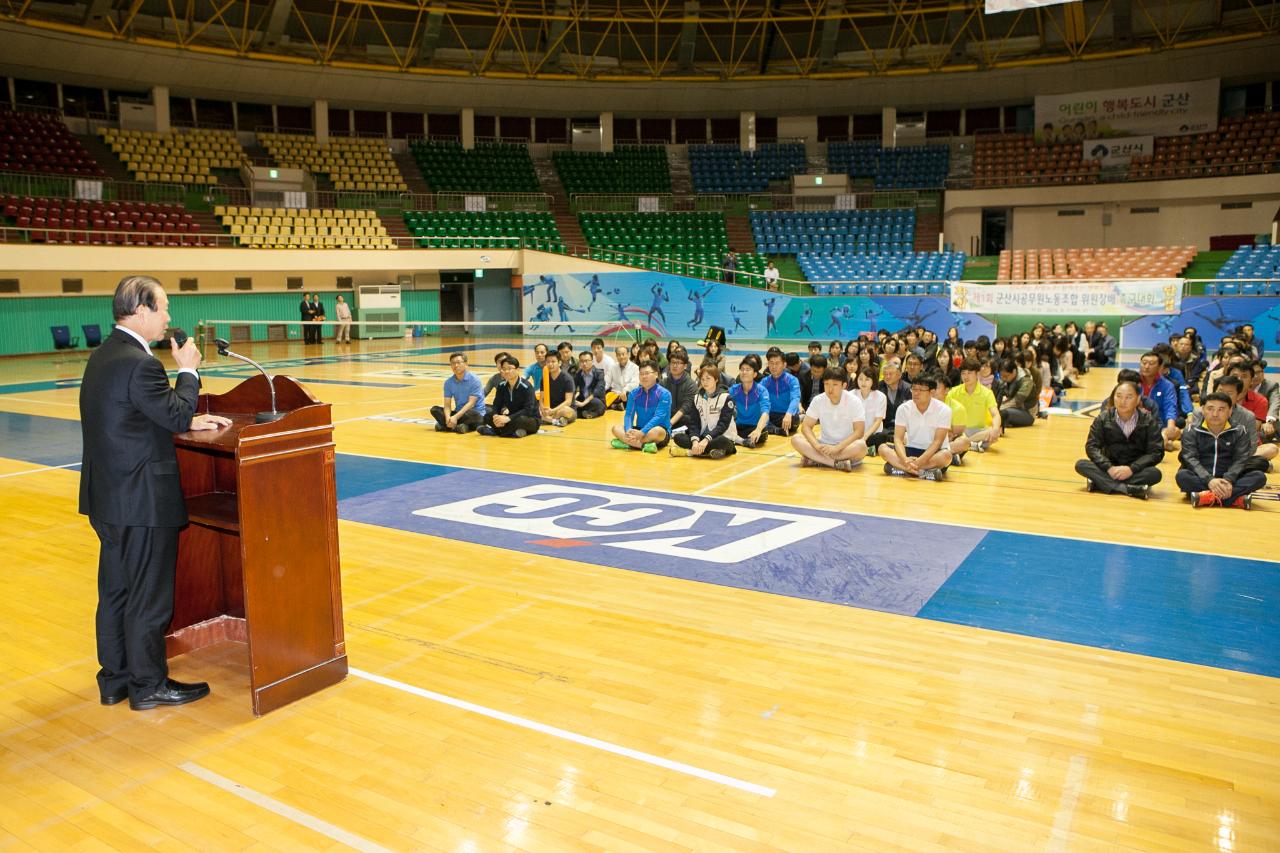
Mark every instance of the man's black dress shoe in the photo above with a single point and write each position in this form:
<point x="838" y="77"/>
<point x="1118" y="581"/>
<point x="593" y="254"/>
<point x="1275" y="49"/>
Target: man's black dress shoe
<point x="170" y="693"/>
<point x="115" y="698"/>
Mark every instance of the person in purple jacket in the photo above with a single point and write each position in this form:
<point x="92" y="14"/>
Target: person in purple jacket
<point x="646" y="423"/>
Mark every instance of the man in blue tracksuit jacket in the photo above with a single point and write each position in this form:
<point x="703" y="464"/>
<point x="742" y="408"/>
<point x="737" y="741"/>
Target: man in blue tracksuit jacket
<point x="1161" y="392"/>
<point x="784" y="395"/>
<point x="646" y="423"/>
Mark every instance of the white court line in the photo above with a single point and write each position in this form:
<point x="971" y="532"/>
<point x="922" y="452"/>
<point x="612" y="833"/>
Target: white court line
<point x="38" y="470"/>
<point x="337" y="833"/>
<point x="594" y="743"/>
<point x="20" y="399"/>
<point x="380" y="415"/>
<point x="718" y="483"/>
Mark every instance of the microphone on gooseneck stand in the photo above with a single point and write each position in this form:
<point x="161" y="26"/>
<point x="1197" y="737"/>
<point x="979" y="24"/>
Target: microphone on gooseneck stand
<point x="261" y="417"/>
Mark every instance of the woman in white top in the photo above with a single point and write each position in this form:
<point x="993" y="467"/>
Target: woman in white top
<point x="874" y="405"/>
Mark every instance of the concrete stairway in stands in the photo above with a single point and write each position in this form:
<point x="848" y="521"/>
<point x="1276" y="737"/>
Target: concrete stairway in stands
<point x="740" y="237"/>
<point x="566" y="220"/>
<point x="111" y="165"/>
<point x="412" y="174"/>
<point x="928" y="226"/>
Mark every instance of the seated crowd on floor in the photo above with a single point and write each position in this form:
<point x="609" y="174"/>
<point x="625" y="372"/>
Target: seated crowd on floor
<point x="917" y="402"/>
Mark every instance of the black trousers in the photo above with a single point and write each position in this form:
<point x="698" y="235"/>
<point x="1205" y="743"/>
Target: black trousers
<point x="775" y="423"/>
<point x="135" y="605"/>
<point x="472" y="418"/>
<point x="594" y="409"/>
<point x="1015" y="417"/>
<point x="1106" y="483"/>
<point x="524" y="422"/>
<point x="878" y="438"/>
<point x="1247" y="483"/>
<point x="720" y="442"/>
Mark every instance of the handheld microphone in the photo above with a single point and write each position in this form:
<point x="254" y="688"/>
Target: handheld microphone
<point x="179" y="337"/>
<point x="224" y="349"/>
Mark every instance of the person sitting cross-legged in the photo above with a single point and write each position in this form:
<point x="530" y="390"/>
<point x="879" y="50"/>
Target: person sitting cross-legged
<point x="710" y="431"/>
<point x="784" y="394"/>
<point x="1215" y="453"/>
<point x="589" y="387"/>
<point x="557" y="409"/>
<point x="976" y="414"/>
<point x="1124" y="446"/>
<point x="620" y="379"/>
<point x="646" y="422"/>
<point x="514" y="413"/>
<point x="463" y="408"/>
<point x="1235" y="387"/>
<point x="752" y="402"/>
<point x="920" y="446"/>
<point x="843" y="420"/>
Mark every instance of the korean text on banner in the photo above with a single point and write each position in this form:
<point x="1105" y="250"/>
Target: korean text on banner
<point x="1139" y="296"/>
<point x="1119" y="151"/>
<point x="1169" y="109"/>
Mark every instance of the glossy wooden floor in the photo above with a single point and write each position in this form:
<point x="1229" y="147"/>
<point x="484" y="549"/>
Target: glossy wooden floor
<point x="849" y="729"/>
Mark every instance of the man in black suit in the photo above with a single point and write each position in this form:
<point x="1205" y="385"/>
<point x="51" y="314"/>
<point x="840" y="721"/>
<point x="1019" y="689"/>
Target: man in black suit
<point x="305" y="312"/>
<point x="317" y="314"/>
<point x="130" y="490"/>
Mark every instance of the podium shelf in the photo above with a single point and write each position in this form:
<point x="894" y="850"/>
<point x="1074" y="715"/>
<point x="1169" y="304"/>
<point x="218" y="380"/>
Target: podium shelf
<point x="215" y="509"/>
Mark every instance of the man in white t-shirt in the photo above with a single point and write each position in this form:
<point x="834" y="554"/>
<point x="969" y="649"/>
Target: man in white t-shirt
<point x="841" y="415"/>
<point x="621" y="379"/>
<point x="921" y="428"/>
<point x="771" y="275"/>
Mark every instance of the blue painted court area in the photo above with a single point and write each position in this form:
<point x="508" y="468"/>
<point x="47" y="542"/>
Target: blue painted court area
<point x="39" y="440"/>
<point x="1214" y="611"/>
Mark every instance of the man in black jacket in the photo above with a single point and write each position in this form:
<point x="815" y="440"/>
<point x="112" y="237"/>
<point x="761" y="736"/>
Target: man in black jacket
<point x="1124" y="447"/>
<point x="896" y="392"/>
<point x="1216" y="451"/>
<point x="130" y="490"/>
<point x="514" y="413"/>
<point x="306" y="313"/>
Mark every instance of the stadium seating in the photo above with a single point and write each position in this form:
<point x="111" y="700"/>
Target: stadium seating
<point x="682" y="243"/>
<point x="834" y="231"/>
<point x="1242" y="145"/>
<point x="1014" y="159"/>
<point x="351" y="163"/>
<point x="297" y="228"/>
<point x="886" y="274"/>
<point x="466" y="229"/>
<point x="101" y="223"/>
<point x="1067" y="264"/>
<point x="187" y="157"/>
<point x="487" y="168"/>
<point x="31" y="142"/>
<point x="1252" y="262"/>
<point x="904" y="167"/>
<point x="727" y="169"/>
<point x="629" y="169"/>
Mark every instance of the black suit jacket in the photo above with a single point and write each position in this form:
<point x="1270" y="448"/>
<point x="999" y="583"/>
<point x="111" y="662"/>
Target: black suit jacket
<point x="128" y="415"/>
<point x="304" y="310"/>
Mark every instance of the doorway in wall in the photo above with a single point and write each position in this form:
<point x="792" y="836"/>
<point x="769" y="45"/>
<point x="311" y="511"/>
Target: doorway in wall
<point x="995" y="229"/>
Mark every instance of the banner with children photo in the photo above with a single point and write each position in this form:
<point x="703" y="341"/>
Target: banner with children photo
<point x="1169" y="109"/>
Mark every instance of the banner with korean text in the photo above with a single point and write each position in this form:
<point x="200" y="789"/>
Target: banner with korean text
<point x="1113" y="153"/>
<point x="1138" y="296"/>
<point x="1166" y="110"/>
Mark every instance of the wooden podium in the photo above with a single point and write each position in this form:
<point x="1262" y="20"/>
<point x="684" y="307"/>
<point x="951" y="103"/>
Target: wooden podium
<point x="258" y="564"/>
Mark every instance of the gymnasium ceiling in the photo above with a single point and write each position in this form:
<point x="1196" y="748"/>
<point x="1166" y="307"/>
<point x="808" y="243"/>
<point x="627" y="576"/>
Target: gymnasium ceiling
<point x="647" y="40"/>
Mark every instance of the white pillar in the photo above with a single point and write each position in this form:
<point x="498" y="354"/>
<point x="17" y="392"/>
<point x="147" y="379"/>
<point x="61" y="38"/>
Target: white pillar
<point x="468" y="128"/>
<point x="320" y="121"/>
<point x="160" y="101"/>
<point x="747" y="131"/>
<point x="888" y="126"/>
<point x="606" y="132"/>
